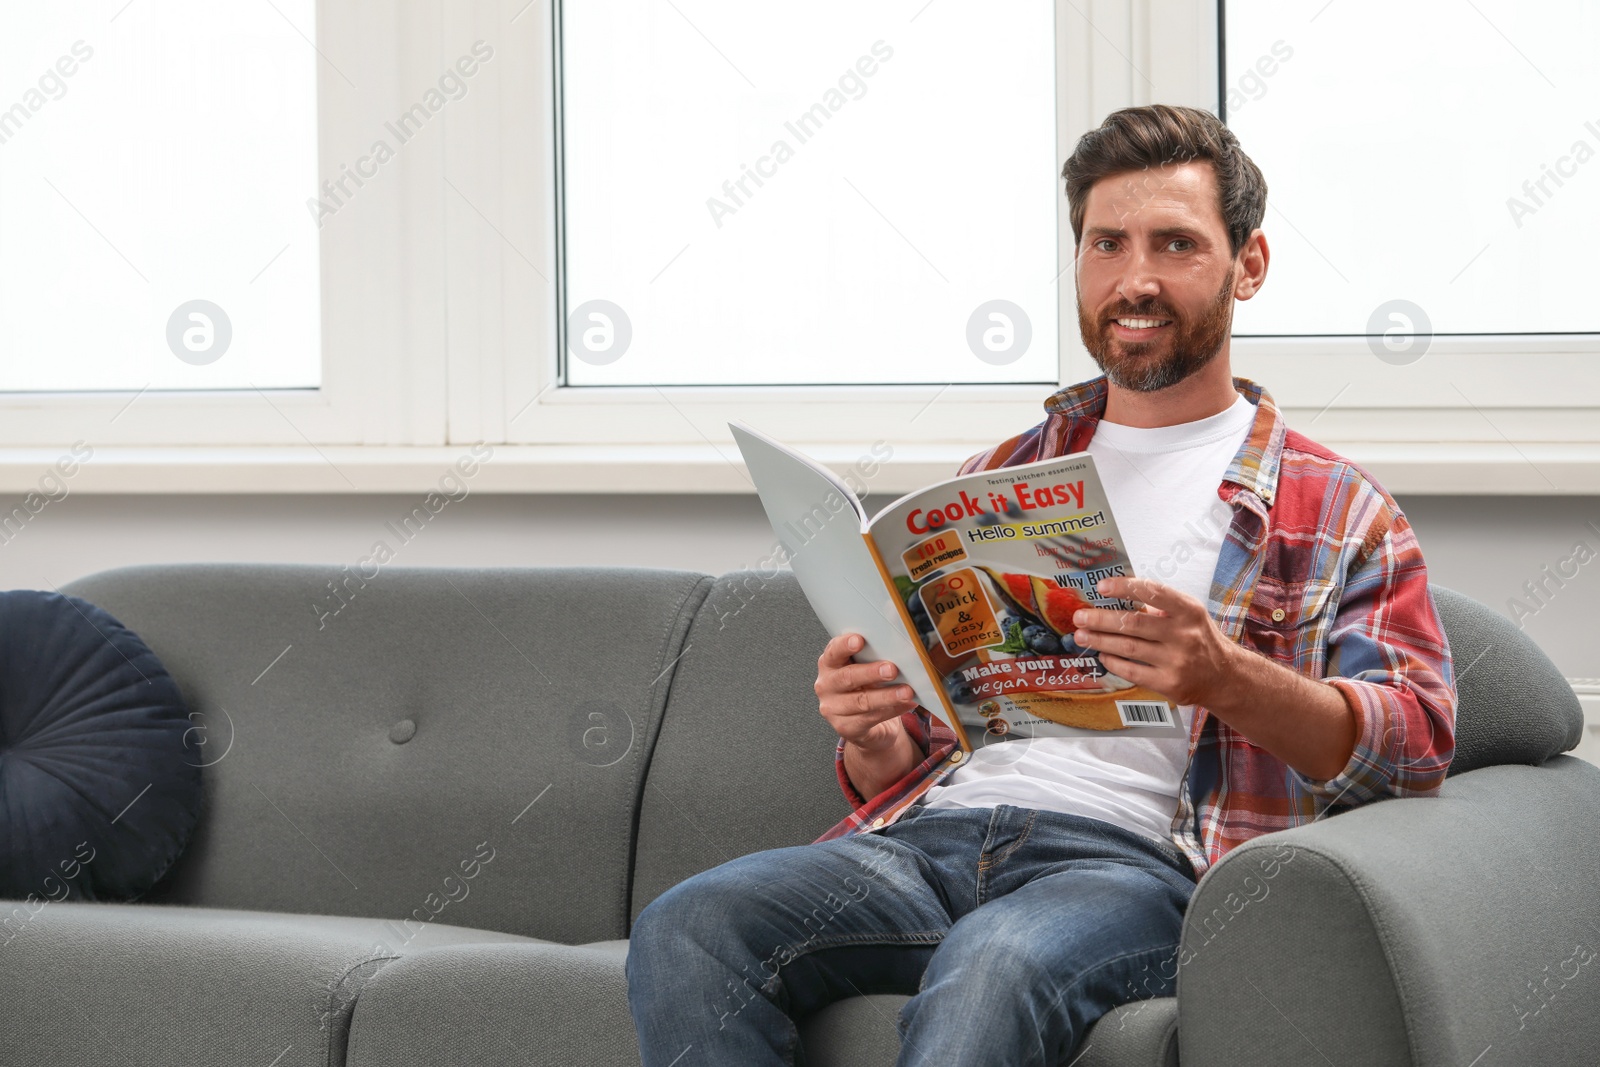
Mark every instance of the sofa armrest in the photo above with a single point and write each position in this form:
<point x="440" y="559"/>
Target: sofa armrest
<point x="1407" y="931"/>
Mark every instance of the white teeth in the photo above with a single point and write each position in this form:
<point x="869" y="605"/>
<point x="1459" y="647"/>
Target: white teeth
<point x="1142" y="324"/>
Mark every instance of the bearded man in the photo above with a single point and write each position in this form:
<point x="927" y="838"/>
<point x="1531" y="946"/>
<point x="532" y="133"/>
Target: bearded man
<point x="1020" y="893"/>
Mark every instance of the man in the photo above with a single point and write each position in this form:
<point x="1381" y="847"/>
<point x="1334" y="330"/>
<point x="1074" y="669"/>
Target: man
<point x="1021" y="893"/>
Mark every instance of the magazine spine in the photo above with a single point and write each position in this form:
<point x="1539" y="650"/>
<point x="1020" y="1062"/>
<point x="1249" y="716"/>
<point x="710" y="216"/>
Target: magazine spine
<point x="916" y="639"/>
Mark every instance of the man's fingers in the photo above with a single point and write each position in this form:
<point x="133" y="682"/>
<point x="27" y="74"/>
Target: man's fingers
<point x="1149" y="591"/>
<point x="837" y="652"/>
<point x="1137" y="673"/>
<point x="1108" y="620"/>
<point x="872" y="705"/>
<point x="1123" y="645"/>
<point x="856" y="676"/>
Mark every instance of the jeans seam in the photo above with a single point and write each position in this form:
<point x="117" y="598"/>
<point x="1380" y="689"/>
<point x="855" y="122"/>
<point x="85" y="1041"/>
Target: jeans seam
<point x="988" y="836"/>
<point x="988" y="862"/>
<point x="1027" y="828"/>
<point x="821" y="944"/>
<point x="1168" y="850"/>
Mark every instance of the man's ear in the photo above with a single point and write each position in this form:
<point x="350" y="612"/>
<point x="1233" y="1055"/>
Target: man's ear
<point x="1251" y="272"/>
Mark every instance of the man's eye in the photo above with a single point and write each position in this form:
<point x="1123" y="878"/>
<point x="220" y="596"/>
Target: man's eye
<point x="1100" y="244"/>
<point x="1181" y="241"/>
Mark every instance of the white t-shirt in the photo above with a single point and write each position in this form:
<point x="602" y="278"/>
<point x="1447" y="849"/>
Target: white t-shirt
<point x="1162" y="485"/>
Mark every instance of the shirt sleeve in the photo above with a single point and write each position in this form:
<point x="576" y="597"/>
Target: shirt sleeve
<point x="1390" y="660"/>
<point x="919" y="724"/>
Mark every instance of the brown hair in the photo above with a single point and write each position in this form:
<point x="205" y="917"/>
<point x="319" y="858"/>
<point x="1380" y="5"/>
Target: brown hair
<point x="1138" y="138"/>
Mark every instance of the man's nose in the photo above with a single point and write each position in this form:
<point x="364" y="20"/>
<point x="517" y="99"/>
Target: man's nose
<point x="1139" y="279"/>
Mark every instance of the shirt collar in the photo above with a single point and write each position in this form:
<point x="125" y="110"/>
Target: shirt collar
<point x="1255" y="465"/>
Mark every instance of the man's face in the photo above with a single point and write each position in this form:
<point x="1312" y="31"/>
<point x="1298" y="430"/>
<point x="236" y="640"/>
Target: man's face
<point x="1155" y="276"/>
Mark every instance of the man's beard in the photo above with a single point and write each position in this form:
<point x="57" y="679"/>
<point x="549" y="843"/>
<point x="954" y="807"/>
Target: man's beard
<point x="1135" y="365"/>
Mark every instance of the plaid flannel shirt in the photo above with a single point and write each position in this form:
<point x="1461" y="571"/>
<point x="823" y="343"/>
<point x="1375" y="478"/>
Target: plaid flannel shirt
<point x="1319" y="571"/>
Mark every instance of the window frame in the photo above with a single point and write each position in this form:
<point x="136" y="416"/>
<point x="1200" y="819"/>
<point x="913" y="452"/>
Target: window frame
<point x="380" y="382"/>
<point x="539" y="410"/>
<point x="1316" y="371"/>
<point x="440" y="324"/>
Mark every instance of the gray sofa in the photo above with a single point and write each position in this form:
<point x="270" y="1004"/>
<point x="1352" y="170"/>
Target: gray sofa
<point x="432" y="816"/>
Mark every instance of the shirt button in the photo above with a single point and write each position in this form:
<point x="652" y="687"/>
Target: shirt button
<point x="958" y="755"/>
<point x="1277" y="614"/>
<point x="877" y="822"/>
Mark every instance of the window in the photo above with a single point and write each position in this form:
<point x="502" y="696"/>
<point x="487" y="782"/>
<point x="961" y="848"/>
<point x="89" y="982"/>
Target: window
<point x="438" y="300"/>
<point x="823" y="193"/>
<point x="1457" y="178"/>
<point x="1434" y="198"/>
<point x="154" y="232"/>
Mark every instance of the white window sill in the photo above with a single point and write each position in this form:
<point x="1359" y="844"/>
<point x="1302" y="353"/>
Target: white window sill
<point x="1402" y="468"/>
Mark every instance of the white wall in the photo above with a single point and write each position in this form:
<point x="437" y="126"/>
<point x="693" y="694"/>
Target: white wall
<point x="1486" y="548"/>
<point x="1489" y="547"/>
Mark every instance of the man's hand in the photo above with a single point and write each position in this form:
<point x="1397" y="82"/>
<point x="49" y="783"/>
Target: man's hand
<point x="857" y="699"/>
<point x="864" y="707"/>
<point x="1174" y="648"/>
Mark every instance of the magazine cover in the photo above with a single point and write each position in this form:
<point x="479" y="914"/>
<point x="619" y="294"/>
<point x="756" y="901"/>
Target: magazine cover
<point x="991" y="568"/>
<point x="969" y="587"/>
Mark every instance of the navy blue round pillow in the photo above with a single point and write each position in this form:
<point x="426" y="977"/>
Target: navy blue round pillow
<point x="98" y="794"/>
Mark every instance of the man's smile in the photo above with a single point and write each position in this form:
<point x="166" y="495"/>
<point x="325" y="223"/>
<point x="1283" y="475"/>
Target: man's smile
<point x="1138" y="329"/>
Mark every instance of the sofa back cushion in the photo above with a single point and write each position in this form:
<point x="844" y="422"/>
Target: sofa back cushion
<point x="1513" y="705"/>
<point x="744" y="761"/>
<point x="466" y="746"/>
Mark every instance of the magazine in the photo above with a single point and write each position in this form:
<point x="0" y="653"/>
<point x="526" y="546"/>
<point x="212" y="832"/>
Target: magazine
<point x="969" y="587"/>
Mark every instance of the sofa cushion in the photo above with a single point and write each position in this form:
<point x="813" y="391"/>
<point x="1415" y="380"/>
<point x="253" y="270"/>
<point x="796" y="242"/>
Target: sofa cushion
<point x="744" y="761"/>
<point x="511" y="1005"/>
<point x="97" y="793"/>
<point x="538" y="1005"/>
<point x="557" y="1005"/>
<point x="863" y="1032"/>
<point x="1513" y="704"/>
<point x="458" y="746"/>
<point x="111" y="984"/>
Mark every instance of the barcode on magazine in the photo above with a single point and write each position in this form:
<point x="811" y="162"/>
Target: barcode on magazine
<point x="1144" y="713"/>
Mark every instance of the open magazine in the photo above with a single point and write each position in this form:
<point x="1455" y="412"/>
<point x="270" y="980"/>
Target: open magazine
<point x="969" y="587"/>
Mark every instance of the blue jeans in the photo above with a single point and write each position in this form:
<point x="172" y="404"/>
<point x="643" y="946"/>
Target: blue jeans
<point x="1012" y="929"/>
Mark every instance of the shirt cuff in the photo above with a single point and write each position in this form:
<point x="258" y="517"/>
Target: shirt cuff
<point x="850" y="793"/>
<point x="1366" y="775"/>
<point x="913" y="727"/>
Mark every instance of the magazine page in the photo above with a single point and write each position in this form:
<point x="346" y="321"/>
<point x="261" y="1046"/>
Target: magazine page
<point x="819" y="523"/>
<point x="991" y="567"/>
